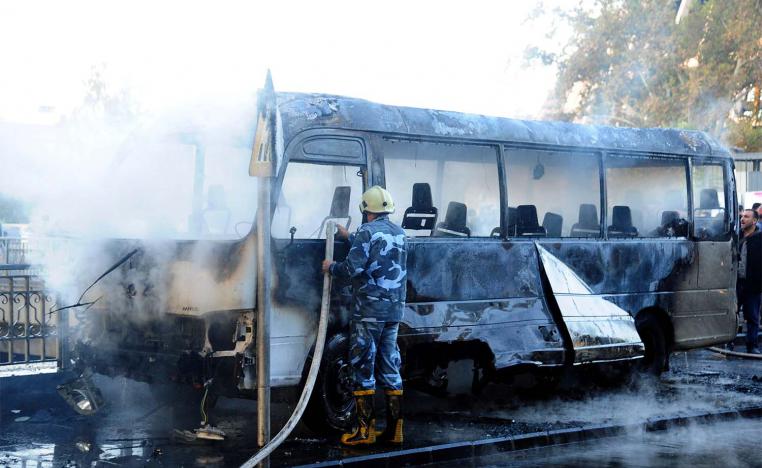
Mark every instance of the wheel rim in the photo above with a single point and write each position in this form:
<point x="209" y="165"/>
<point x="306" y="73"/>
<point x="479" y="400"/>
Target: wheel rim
<point x="339" y="389"/>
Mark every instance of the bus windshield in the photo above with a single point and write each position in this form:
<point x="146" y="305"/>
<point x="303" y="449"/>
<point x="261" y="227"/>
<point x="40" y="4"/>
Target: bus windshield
<point x="173" y="190"/>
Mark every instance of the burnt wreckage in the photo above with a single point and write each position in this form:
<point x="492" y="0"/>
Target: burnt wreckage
<point x="511" y="294"/>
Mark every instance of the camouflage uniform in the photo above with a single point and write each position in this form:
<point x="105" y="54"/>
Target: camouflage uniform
<point x="376" y="265"/>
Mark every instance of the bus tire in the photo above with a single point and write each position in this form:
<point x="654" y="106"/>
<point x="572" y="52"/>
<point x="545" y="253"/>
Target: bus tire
<point x="331" y="406"/>
<point x="653" y="335"/>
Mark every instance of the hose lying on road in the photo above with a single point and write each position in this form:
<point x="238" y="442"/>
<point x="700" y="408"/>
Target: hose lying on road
<point x="728" y="352"/>
<point x="316" y="358"/>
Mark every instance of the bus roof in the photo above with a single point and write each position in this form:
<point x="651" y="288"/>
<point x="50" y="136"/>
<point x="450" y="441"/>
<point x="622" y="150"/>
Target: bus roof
<point x="302" y="111"/>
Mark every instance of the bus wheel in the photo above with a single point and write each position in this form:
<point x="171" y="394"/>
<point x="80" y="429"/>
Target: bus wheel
<point x="331" y="405"/>
<point x="656" y="359"/>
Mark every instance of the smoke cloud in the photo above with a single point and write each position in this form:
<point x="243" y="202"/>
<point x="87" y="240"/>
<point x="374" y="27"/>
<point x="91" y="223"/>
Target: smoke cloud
<point x="158" y="176"/>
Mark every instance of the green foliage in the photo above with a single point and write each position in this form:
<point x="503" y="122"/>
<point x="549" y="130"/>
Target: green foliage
<point x="628" y="62"/>
<point x="745" y="136"/>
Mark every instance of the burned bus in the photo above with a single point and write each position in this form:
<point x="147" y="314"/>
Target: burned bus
<point x="532" y="245"/>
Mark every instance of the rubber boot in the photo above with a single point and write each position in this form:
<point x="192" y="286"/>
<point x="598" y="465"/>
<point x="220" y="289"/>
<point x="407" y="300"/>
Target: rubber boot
<point x="392" y="434"/>
<point x="365" y="433"/>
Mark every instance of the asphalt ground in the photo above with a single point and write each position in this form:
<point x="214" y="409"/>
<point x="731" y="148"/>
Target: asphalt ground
<point x="143" y="425"/>
<point x="733" y="443"/>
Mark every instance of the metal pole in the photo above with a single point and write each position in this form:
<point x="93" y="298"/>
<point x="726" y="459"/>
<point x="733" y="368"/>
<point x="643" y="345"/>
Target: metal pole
<point x="263" y="166"/>
<point x="62" y="334"/>
<point x="27" y="298"/>
<point x="263" y="312"/>
<point x="12" y="323"/>
<point x="261" y="457"/>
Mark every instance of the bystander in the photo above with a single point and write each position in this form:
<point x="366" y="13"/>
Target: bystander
<point x="757" y="208"/>
<point x="749" y="284"/>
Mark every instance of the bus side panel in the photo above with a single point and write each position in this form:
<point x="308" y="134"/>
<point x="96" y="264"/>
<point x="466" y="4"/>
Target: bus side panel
<point x="699" y="318"/>
<point x="517" y="330"/>
<point x="599" y="330"/>
<point x="630" y="266"/>
<point x="481" y="290"/>
<point x="636" y="274"/>
<point x="716" y="266"/>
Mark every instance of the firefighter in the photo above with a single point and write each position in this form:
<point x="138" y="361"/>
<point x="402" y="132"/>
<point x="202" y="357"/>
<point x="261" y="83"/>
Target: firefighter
<point x="376" y="266"/>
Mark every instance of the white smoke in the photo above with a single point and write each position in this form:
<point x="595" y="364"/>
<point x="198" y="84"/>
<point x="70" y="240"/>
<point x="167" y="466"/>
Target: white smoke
<point x="156" y="176"/>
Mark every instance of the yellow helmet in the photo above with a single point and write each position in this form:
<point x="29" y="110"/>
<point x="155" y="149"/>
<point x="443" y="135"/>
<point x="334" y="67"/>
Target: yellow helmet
<point x="377" y="200"/>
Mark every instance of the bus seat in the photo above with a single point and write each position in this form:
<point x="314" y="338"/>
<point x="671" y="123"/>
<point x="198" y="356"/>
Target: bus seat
<point x="587" y="224"/>
<point x="422" y="215"/>
<point x="709" y="217"/>
<point x="552" y="223"/>
<point x="526" y="221"/>
<point x="339" y="207"/>
<point x="668" y="217"/>
<point x="672" y="225"/>
<point x="709" y="200"/>
<point x="454" y="224"/>
<point x="621" y="222"/>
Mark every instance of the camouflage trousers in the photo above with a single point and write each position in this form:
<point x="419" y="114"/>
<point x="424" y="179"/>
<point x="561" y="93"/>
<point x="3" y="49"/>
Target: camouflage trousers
<point x="374" y="354"/>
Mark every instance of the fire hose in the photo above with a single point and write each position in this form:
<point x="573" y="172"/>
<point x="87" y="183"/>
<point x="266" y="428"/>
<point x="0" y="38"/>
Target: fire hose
<point x="728" y="352"/>
<point x="317" y="356"/>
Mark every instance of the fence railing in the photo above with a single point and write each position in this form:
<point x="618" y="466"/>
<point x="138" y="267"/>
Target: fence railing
<point x="28" y="331"/>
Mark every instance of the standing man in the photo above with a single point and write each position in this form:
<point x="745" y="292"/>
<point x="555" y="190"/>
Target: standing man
<point x="376" y="265"/>
<point x="758" y="208"/>
<point x="749" y="285"/>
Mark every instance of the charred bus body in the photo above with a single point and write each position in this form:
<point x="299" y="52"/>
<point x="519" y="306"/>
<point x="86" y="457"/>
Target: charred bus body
<point x="631" y="259"/>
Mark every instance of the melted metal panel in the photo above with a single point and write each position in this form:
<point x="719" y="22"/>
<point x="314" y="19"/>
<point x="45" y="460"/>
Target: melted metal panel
<point x="470" y="270"/>
<point x="518" y="331"/>
<point x="187" y="278"/>
<point x="599" y="329"/>
<point x="692" y="282"/>
<point x="486" y="291"/>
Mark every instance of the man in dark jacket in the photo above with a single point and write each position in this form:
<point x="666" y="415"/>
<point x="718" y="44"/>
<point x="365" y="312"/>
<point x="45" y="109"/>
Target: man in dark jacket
<point x="376" y="265"/>
<point x="749" y="285"/>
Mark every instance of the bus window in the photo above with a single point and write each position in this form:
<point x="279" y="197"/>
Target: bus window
<point x="646" y="197"/>
<point x="462" y="180"/>
<point x="306" y="197"/>
<point x="709" y="209"/>
<point x="553" y="193"/>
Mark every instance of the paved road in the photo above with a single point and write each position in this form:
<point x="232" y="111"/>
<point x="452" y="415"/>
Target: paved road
<point x="138" y="425"/>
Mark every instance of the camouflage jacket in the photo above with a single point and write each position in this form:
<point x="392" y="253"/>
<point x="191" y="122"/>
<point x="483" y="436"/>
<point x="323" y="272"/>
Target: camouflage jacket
<point x="376" y="265"/>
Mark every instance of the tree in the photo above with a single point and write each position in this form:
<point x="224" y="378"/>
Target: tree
<point x="628" y="63"/>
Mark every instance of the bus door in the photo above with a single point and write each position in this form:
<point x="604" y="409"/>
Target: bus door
<point x="713" y="315"/>
<point x="314" y="189"/>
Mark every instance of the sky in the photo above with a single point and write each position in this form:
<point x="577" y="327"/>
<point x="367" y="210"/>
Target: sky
<point x="461" y="56"/>
<point x="193" y="64"/>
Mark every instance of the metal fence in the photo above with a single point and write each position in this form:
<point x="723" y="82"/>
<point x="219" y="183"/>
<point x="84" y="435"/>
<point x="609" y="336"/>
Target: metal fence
<point x="28" y="331"/>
